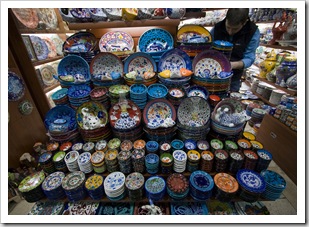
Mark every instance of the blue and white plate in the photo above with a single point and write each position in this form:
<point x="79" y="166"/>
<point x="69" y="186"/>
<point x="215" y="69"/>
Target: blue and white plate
<point x="16" y="87"/>
<point x="273" y="179"/>
<point x="251" y="181"/>
<point x="84" y="158"/>
<point x="45" y="156"/>
<point x="114" y="181"/>
<point x="53" y="181"/>
<point x="179" y="155"/>
<point x="140" y="62"/>
<point x="40" y="47"/>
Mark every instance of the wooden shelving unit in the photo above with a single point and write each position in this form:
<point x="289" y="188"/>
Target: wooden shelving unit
<point x="36" y="63"/>
<point x="291" y="92"/>
<point x="48" y="89"/>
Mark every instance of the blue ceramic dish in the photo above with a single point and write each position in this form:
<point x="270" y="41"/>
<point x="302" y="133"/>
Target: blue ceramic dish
<point x="152" y="146"/>
<point x="201" y="181"/>
<point x="138" y="89"/>
<point x="196" y="90"/>
<point x="156" y="91"/>
<point x="79" y="91"/>
<point x="16" y="87"/>
<point x="177" y="144"/>
<point x="251" y="181"/>
<point x="140" y="62"/>
<point x="174" y="60"/>
<point x="59" y="94"/>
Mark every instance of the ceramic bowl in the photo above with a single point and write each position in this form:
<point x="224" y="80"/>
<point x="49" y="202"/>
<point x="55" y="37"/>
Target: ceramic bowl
<point x="175" y="13"/>
<point x="98" y="14"/>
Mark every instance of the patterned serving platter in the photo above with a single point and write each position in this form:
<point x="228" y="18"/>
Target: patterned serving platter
<point x="193" y="111"/>
<point x="27" y="16"/>
<point x="226" y="182"/>
<point x="251" y="180"/>
<point x="31" y="182"/>
<point x="53" y="181"/>
<point x="116" y="41"/>
<point x="174" y="60"/>
<point x="201" y="180"/>
<point x="105" y="63"/>
<point x="51" y="47"/>
<point x="58" y="42"/>
<point x="155" y="184"/>
<point x="48" y="17"/>
<point x="94" y="182"/>
<point x="47" y="72"/>
<point x="134" y="181"/>
<point x="16" y="87"/>
<point x="80" y="42"/>
<point x="140" y="62"/>
<point x="73" y="180"/>
<point x="114" y="181"/>
<point x="40" y="47"/>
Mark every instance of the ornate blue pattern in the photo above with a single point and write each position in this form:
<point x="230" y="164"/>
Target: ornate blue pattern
<point x="251" y="180"/>
<point x="174" y="60"/>
<point x="16" y="87"/>
<point x="74" y="65"/>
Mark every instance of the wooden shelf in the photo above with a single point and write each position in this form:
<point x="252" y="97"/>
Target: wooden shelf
<point x="43" y="31"/>
<point x="291" y="92"/>
<point x="37" y="63"/>
<point x="48" y="89"/>
<point x="259" y="96"/>
<point x="279" y="47"/>
<point x="120" y="24"/>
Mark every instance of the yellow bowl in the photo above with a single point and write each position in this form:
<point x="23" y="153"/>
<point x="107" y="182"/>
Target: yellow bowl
<point x="129" y="13"/>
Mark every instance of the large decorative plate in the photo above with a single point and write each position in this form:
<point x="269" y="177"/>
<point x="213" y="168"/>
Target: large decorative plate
<point x="40" y="47"/>
<point x="233" y="105"/>
<point x="47" y="73"/>
<point x="251" y="181"/>
<point x="58" y="42"/>
<point x="116" y="41"/>
<point x="193" y="111"/>
<point x="273" y="180"/>
<point x="105" y="63"/>
<point x="159" y="108"/>
<point x="140" y="62"/>
<point x="51" y="47"/>
<point x="94" y="182"/>
<point x="155" y="40"/>
<point x="16" y="87"/>
<point x="174" y="60"/>
<point x="31" y="182"/>
<point x="48" y="17"/>
<point x="201" y="180"/>
<point x="73" y="180"/>
<point x="125" y="115"/>
<point x="114" y="181"/>
<point x="193" y="34"/>
<point x="226" y="182"/>
<point x="134" y="181"/>
<point x="155" y="184"/>
<point x="92" y="109"/>
<point x="27" y="16"/>
<point x="53" y="181"/>
<point x="80" y="42"/>
<point x="211" y="64"/>
<point x="73" y="65"/>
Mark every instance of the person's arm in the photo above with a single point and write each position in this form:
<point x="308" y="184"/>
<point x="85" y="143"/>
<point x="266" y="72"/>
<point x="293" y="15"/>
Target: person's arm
<point x="249" y="54"/>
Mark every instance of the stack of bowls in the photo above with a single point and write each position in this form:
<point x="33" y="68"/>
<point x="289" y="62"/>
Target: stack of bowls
<point x="101" y="145"/>
<point x="226" y="186"/>
<point x="177" y="145"/>
<point x="152" y="146"/>
<point x="138" y="94"/>
<point x="46" y="162"/>
<point x="155" y="187"/>
<point x="201" y="185"/>
<point x="236" y="161"/>
<point x="97" y="161"/>
<point x="250" y="192"/>
<point x="224" y="47"/>
<point x="202" y="145"/>
<point x="257" y="116"/>
<point x="111" y="160"/>
<point x="134" y="183"/>
<point x="177" y="186"/>
<point x="256" y="145"/>
<point x="114" y="144"/>
<point x="190" y="144"/>
<point x="180" y="160"/>
<point x="156" y="91"/>
<point x="230" y="145"/>
<point x="221" y="160"/>
<point x="193" y="160"/>
<point x="30" y="187"/>
<point x="60" y="97"/>
<point x="126" y="145"/>
<point x="117" y="91"/>
<point x="175" y="95"/>
<point x="114" y="186"/>
<point x="175" y="82"/>
<point x="152" y="163"/>
<point x="71" y="161"/>
<point x="78" y="95"/>
<point x="216" y="144"/>
<point x="89" y="147"/>
<point x="165" y="147"/>
<point x="59" y="162"/>
<point x="94" y="187"/>
<point x="251" y="159"/>
<point x="84" y="162"/>
<point x="207" y="160"/>
<point x="264" y="160"/>
<point x="166" y="160"/>
<point x="65" y="146"/>
<point x="139" y="144"/>
<point x="73" y="185"/>
<point x="78" y="147"/>
<point x="275" y="185"/>
<point x="125" y="161"/>
<point x="52" y="186"/>
<point x="99" y="94"/>
<point x="244" y="144"/>
<point x="138" y="160"/>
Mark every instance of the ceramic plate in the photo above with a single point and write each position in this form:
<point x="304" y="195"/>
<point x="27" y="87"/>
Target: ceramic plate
<point x="31" y="182"/>
<point x="106" y="63"/>
<point x="134" y="181"/>
<point x="51" y="47"/>
<point x="140" y="62"/>
<point x="251" y="180"/>
<point x="40" y="47"/>
<point x="174" y="60"/>
<point x="273" y="179"/>
<point x="155" y="184"/>
<point x="16" y="87"/>
<point x="80" y="42"/>
<point x="93" y="182"/>
<point x="97" y="157"/>
<point x="48" y="17"/>
<point x="27" y="17"/>
<point x="47" y="73"/>
<point x="193" y="34"/>
<point x="116" y="41"/>
<point x="201" y="180"/>
<point x="53" y="181"/>
<point x="193" y="111"/>
<point x="210" y="64"/>
<point x="226" y="182"/>
<point x="58" y="42"/>
<point x="73" y="180"/>
<point x="114" y="181"/>
<point x="197" y="91"/>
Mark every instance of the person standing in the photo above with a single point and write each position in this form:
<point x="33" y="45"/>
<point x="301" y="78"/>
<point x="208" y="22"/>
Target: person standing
<point x="237" y="29"/>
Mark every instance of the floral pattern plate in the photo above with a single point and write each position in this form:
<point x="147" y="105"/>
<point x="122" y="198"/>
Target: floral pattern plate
<point x="51" y="47"/>
<point x="174" y="60"/>
<point x="58" y="42"/>
<point x="53" y="181"/>
<point x="155" y="184"/>
<point x="158" y="108"/>
<point x="94" y="182"/>
<point x="27" y="16"/>
<point x="193" y="111"/>
<point x="193" y="34"/>
<point x="116" y="41"/>
<point x="40" y="47"/>
<point x="134" y="181"/>
<point x="48" y="17"/>
<point x="114" y="181"/>
<point x="31" y="182"/>
<point x="73" y="180"/>
<point x="73" y="65"/>
<point x="105" y="63"/>
<point x="16" y="87"/>
<point x="80" y="42"/>
<point x="140" y="62"/>
<point x="47" y="73"/>
<point x="226" y="182"/>
<point x="251" y="181"/>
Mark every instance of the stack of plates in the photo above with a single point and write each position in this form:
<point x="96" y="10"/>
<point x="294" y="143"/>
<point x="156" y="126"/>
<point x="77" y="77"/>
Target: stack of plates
<point x="177" y="145"/>
<point x="223" y="46"/>
<point x="180" y="160"/>
<point x="117" y="91"/>
<point x="228" y="131"/>
<point x="111" y="160"/>
<point x="89" y="147"/>
<point x="257" y="116"/>
<point x="207" y="160"/>
<point x="146" y="82"/>
<point x="59" y="162"/>
<point x="78" y="147"/>
<point x="193" y="160"/>
<point x="94" y="186"/>
<point x="256" y="145"/>
<point x="275" y="184"/>
<point x="78" y="95"/>
<point x="126" y="145"/>
<point x="114" y="143"/>
<point x="97" y="160"/>
<point x="236" y="161"/>
<point x="252" y="185"/>
<point x="30" y="187"/>
<point x="138" y="160"/>
<point x="47" y="208"/>
<point x="124" y="160"/>
<point x="244" y="144"/>
<point x="107" y="83"/>
<point x="99" y="94"/>
<point x="84" y="162"/>
<point x="166" y="160"/>
<point x="152" y="163"/>
<point x="65" y="146"/>
<point x="177" y="186"/>
<point x="60" y="97"/>
<point x="190" y="144"/>
<point x="230" y="145"/>
<point x="251" y="159"/>
<point x="248" y="135"/>
<point x="72" y="135"/>
<point x="52" y="186"/>
<point x="221" y="160"/>
<point x="227" y="187"/>
<point x="152" y="146"/>
<point x="114" y="186"/>
<point x="165" y="147"/>
<point x="134" y="183"/>
<point x="196" y="133"/>
<point x="46" y="162"/>
<point x="101" y="145"/>
<point x="201" y="185"/>
<point x="175" y="95"/>
<point x="265" y="158"/>
<point x="175" y="82"/>
<point x="156" y="91"/>
<point x="202" y="145"/>
<point x="155" y="188"/>
<point x="138" y="94"/>
<point x="71" y="161"/>
<point x="73" y="185"/>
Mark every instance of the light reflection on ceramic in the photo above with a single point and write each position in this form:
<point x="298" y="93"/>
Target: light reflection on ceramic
<point x="116" y="41"/>
<point x="16" y="87"/>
